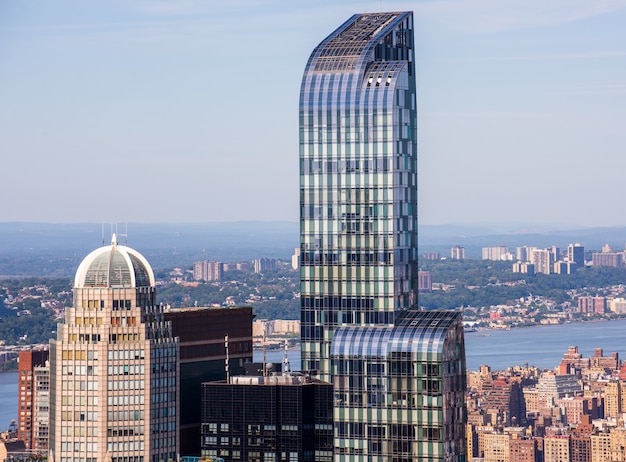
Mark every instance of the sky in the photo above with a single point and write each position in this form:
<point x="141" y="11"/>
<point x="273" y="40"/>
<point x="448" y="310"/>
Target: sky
<point x="187" y="110"/>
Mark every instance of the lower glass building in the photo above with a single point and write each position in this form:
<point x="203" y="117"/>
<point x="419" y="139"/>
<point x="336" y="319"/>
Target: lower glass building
<point x="399" y="391"/>
<point x="286" y="418"/>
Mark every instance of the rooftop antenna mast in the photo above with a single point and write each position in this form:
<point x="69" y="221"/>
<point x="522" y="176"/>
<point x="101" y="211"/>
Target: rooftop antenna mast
<point x="103" y="234"/>
<point x="286" y="360"/>
<point x="227" y="359"/>
<point x="264" y="351"/>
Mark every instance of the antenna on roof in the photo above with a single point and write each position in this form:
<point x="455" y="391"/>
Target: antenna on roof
<point x="286" y="360"/>
<point x="264" y="351"/>
<point x="226" y="362"/>
<point x="103" y="234"/>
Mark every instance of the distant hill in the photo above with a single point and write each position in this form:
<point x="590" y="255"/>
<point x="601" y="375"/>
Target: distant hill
<point x="51" y="249"/>
<point x="56" y="249"/>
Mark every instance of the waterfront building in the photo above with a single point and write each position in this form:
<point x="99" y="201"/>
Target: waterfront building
<point x="457" y="252"/>
<point x="270" y="419"/>
<point x="389" y="389"/>
<point x="618" y="305"/>
<point x="201" y="333"/>
<point x="33" y="399"/>
<point x="114" y="366"/>
<point x="596" y="304"/>
<point x="358" y="181"/>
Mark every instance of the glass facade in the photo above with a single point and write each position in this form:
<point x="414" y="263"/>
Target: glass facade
<point x="358" y="181"/>
<point x="399" y="392"/>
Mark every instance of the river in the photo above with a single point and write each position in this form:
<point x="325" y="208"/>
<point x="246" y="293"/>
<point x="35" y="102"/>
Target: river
<point x="541" y="346"/>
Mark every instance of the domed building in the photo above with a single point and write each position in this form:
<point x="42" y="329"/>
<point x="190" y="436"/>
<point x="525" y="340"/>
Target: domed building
<point x="113" y="366"/>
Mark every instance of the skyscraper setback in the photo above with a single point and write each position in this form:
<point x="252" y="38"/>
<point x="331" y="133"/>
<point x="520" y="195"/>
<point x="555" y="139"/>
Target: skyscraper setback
<point x="358" y="181"/>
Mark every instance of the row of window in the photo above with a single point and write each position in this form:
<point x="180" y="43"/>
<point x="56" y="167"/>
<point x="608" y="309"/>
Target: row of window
<point x="163" y="412"/>
<point x="78" y="400"/>
<point x="80" y="459"/>
<point x="87" y="321"/>
<point x="79" y="430"/>
<point x="126" y="385"/>
<point x="83" y="355"/>
<point x="126" y="354"/>
<point x="253" y="456"/>
<point x="122" y="321"/>
<point x="163" y="382"/>
<point x="378" y="164"/>
<point x="125" y="400"/>
<point x="68" y="446"/>
<point x="126" y="369"/>
<point x="125" y="446"/>
<point x="125" y="415"/>
<point x="125" y="431"/>
<point x="124" y="338"/>
<point x="163" y="397"/>
<point x="79" y="370"/>
<point x="79" y="416"/>
<point x="83" y="338"/>
<point x="79" y="385"/>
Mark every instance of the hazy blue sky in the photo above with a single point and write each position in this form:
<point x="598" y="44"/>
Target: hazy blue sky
<point x="176" y="111"/>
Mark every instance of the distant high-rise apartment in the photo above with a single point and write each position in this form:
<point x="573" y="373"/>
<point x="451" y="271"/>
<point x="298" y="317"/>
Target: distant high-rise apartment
<point x="33" y="399"/>
<point x="496" y="252"/>
<point x="576" y="255"/>
<point x="522" y="254"/>
<point x="208" y="270"/>
<point x="457" y="252"/>
<point x="431" y="256"/>
<point x="262" y="265"/>
<point x="608" y="258"/>
<point x="542" y="259"/>
<point x="425" y="281"/>
<point x="358" y="181"/>
<point x="114" y="366"/>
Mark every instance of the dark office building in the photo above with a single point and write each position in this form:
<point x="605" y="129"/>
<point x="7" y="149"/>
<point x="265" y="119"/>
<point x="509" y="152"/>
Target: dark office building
<point x="202" y="334"/>
<point x="268" y="419"/>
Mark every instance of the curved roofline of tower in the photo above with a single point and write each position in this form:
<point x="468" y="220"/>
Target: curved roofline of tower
<point x="353" y="44"/>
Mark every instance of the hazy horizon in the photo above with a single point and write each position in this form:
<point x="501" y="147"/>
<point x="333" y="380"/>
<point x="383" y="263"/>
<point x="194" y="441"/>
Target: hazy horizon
<point x="153" y="111"/>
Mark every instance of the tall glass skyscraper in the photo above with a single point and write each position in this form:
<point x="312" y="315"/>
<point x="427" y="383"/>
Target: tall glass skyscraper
<point x="358" y="181"/>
